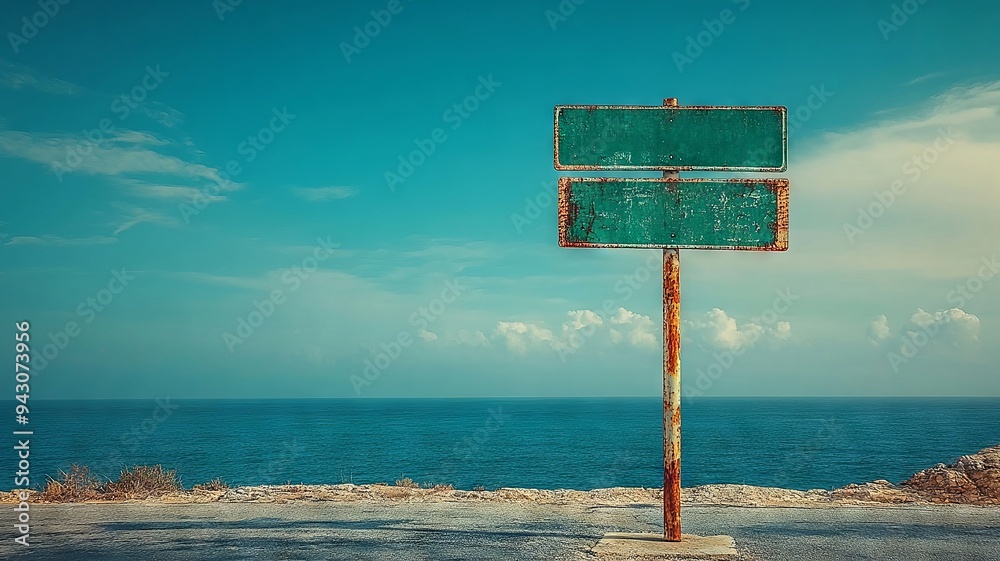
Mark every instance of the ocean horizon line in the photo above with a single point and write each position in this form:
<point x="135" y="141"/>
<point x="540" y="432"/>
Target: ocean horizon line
<point x="522" y="398"/>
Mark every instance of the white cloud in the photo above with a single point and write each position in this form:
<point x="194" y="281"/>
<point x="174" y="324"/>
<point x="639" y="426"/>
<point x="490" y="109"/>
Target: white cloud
<point x="48" y="239"/>
<point x="959" y="190"/>
<point x="955" y="322"/>
<point x="783" y="331"/>
<point x="427" y="335"/>
<point x="925" y="77"/>
<point x="878" y="330"/>
<point x="134" y="215"/>
<point x="636" y="329"/>
<point x="15" y="77"/>
<point x="722" y="331"/>
<point x="519" y="336"/>
<point x="953" y="327"/>
<point x="717" y="329"/>
<point x="579" y="319"/>
<point x="110" y="159"/>
<point x="162" y="114"/>
<point x="582" y="328"/>
<point x="325" y="193"/>
<point x="173" y="192"/>
<point x="126" y="136"/>
<point x="471" y="338"/>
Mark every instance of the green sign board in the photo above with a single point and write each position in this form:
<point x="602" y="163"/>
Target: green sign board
<point x="671" y="213"/>
<point x="750" y="214"/>
<point x="692" y="138"/>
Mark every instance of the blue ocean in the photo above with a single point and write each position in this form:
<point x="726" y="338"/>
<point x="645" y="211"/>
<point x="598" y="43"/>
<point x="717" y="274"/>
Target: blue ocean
<point x="540" y="443"/>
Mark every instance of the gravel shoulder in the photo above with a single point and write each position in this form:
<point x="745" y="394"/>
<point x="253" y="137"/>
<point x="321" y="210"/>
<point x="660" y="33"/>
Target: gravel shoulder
<point x="944" y="512"/>
<point x="488" y="531"/>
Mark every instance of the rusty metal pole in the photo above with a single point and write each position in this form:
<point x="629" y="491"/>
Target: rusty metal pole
<point x="671" y="385"/>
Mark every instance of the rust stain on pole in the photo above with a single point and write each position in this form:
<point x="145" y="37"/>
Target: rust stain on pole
<point x="671" y="385"/>
<point x="671" y="395"/>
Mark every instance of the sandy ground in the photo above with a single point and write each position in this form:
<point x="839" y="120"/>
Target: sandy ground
<point x="340" y="522"/>
<point x="723" y="495"/>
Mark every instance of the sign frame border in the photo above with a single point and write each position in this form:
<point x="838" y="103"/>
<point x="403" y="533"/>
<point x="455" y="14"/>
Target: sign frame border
<point x="779" y="187"/>
<point x="581" y="167"/>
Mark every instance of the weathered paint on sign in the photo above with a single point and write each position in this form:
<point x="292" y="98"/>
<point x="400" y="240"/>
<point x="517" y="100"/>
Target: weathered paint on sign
<point x="638" y="137"/>
<point x="750" y="214"/>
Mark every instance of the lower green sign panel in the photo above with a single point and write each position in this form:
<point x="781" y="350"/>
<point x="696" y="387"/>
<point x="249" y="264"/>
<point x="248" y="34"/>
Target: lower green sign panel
<point x="748" y="214"/>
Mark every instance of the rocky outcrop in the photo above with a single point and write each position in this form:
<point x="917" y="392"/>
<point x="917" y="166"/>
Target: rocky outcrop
<point x="973" y="479"/>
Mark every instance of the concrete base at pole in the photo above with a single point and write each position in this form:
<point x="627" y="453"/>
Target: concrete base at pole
<point x="642" y="547"/>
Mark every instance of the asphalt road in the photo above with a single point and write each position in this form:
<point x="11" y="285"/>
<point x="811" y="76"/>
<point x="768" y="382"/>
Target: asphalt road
<point x="487" y="531"/>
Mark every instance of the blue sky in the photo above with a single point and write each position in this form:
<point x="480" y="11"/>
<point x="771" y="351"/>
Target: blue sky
<point x="233" y="227"/>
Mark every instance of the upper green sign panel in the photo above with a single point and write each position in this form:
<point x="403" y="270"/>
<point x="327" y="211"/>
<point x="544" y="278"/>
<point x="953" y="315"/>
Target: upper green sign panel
<point x="692" y="138"/>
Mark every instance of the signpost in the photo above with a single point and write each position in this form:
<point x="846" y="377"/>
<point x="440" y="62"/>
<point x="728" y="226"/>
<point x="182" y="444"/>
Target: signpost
<point x="672" y="213"/>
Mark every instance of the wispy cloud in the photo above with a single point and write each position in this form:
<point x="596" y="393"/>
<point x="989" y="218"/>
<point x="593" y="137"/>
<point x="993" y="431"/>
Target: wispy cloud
<point x="48" y="239"/>
<point x="925" y="77"/>
<point x="126" y="136"/>
<point x="16" y="77"/>
<point x="133" y="215"/>
<point x="130" y="155"/>
<point x="936" y="160"/>
<point x="325" y="193"/>
<point x="171" y="192"/>
<point x="163" y="114"/>
<point x="250" y="283"/>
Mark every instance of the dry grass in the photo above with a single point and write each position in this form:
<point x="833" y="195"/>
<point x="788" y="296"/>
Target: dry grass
<point x="143" y="482"/>
<point x="213" y="485"/>
<point x="396" y="492"/>
<point x="73" y="486"/>
<point x="138" y="482"/>
<point x="151" y="482"/>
